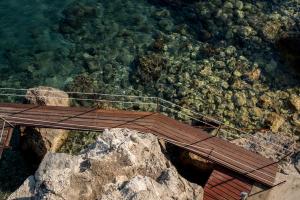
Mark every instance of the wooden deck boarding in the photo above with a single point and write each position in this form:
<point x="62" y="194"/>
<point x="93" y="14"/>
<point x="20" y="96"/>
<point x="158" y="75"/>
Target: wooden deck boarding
<point x="196" y="140"/>
<point x="226" y="185"/>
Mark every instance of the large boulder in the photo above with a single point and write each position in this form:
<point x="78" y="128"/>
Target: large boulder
<point x="122" y="164"/>
<point x="47" y="96"/>
<point x="40" y="140"/>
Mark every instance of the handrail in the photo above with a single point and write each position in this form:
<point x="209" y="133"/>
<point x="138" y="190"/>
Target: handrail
<point x="157" y="102"/>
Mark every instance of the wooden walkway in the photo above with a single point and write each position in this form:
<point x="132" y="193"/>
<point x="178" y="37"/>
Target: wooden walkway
<point x="224" y="184"/>
<point x="198" y="141"/>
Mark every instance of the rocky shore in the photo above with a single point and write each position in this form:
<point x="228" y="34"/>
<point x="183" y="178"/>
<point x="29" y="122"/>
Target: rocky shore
<point x="234" y="60"/>
<point x="121" y="164"/>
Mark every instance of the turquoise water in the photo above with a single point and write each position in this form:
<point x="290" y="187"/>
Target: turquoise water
<point x="220" y="57"/>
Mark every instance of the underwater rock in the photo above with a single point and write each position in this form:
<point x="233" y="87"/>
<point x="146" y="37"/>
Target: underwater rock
<point x="296" y="120"/>
<point x="121" y="164"/>
<point x="174" y="2"/>
<point x="82" y="83"/>
<point x="75" y="15"/>
<point x="271" y="30"/>
<point x="253" y="75"/>
<point x="295" y="101"/>
<point x="149" y="67"/>
<point x="274" y="121"/>
<point x="266" y="101"/>
<point x="240" y="99"/>
<point x="166" y="24"/>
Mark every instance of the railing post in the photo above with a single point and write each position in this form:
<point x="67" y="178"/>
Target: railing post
<point x="157" y="105"/>
<point x="217" y="133"/>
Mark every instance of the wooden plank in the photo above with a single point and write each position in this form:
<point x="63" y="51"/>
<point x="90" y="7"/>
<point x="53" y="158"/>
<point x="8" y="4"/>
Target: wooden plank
<point x="224" y="153"/>
<point x="245" y="159"/>
<point x="219" y="185"/>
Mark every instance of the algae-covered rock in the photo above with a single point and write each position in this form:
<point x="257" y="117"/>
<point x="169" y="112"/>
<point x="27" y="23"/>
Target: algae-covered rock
<point x="240" y="99"/>
<point x="149" y="67"/>
<point x="295" y="101"/>
<point x="271" y="30"/>
<point x="275" y="121"/>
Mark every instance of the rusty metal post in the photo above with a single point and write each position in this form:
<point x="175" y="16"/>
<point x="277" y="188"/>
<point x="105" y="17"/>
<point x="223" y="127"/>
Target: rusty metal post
<point x="157" y="105"/>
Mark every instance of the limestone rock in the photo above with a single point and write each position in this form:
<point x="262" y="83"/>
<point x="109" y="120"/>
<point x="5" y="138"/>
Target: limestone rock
<point x="47" y="96"/>
<point x="289" y="190"/>
<point x="26" y="190"/>
<point x="41" y="140"/>
<point x="275" y="121"/>
<point x="122" y="164"/>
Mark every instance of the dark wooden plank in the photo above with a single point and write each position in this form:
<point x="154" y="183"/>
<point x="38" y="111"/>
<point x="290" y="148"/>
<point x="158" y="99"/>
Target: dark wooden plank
<point x="224" y="153"/>
<point x="246" y="156"/>
<point x="249" y="157"/>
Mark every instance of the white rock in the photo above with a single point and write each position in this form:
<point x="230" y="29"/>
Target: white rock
<point x="122" y="164"/>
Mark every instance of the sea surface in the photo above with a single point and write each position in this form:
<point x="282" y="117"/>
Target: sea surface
<point x="221" y="58"/>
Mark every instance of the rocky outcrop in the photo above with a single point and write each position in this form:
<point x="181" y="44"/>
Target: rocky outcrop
<point x="41" y="140"/>
<point x="288" y="190"/>
<point x="122" y="164"/>
<point x="47" y="96"/>
<point x="270" y="145"/>
<point x="275" y="146"/>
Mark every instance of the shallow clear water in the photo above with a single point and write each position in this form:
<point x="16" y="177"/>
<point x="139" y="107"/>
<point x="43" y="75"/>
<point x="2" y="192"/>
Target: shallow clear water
<point x="218" y="57"/>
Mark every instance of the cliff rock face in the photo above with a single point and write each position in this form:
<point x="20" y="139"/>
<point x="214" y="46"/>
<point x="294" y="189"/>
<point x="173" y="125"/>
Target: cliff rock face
<point x="122" y="164"/>
<point x="41" y="140"/>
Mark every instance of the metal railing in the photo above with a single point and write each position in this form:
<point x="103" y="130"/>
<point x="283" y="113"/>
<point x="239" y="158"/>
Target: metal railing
<point x="137" y="103"/>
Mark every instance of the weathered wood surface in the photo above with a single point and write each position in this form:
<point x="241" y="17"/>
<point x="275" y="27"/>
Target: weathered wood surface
<point x="223" y="184"/>
<point x="193" y="139"/>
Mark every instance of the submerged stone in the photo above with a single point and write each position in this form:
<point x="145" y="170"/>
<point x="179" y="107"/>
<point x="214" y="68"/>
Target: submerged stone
<point x="275" y="121"/>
